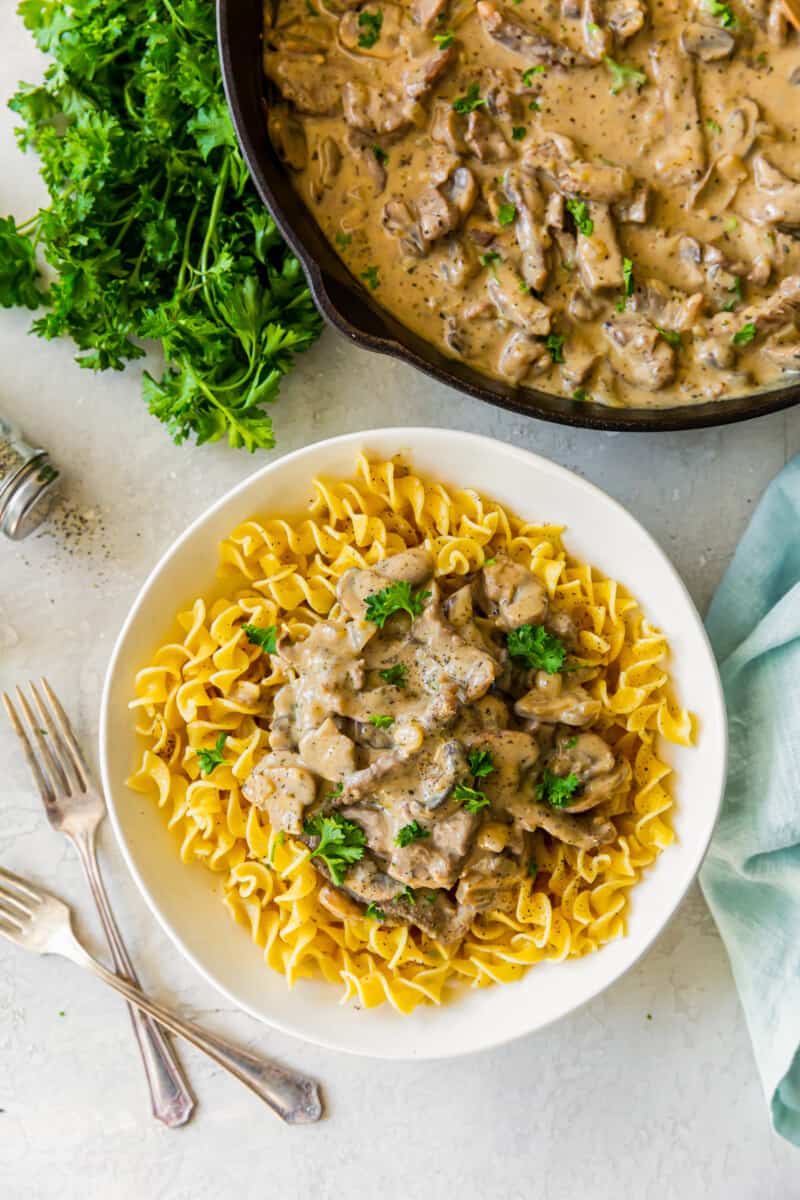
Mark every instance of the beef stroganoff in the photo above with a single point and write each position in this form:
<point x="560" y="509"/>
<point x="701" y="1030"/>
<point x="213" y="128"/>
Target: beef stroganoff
<point x="416" y="737"/>
<point x="600" y="200"/>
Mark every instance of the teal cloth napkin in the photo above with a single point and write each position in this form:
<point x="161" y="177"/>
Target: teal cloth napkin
<point x="751" y="876"/>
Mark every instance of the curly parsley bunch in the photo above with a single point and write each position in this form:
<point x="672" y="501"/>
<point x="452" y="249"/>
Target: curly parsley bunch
<point x="154" y="228"/>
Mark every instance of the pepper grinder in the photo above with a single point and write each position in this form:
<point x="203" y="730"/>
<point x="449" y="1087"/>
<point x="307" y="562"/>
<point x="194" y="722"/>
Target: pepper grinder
<point x="28" y="482"/>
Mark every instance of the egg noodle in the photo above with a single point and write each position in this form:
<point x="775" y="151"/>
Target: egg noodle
<point x="211" y="679"/>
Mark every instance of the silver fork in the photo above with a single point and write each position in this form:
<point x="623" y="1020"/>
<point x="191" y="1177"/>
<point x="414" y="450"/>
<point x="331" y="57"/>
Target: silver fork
<point x="37" y="921"/>
<point x="75" y="807"/>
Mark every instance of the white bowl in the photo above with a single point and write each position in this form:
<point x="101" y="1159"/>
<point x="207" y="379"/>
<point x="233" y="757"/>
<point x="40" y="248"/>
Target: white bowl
<point x="185" y="899"/>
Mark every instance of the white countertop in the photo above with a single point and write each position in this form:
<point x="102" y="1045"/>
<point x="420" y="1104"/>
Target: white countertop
<point x="608" y="1103"/>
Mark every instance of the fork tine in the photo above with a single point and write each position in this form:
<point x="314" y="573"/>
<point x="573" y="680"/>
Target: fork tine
<point x="58" y="780"/>
<point x="8" y="898"/>
<point x="10" y="926"/>
<point x="42" y="783"/>
<point x="19" y="884"/>
<point x="57" y="744"/>
<point x="79" y="763"/>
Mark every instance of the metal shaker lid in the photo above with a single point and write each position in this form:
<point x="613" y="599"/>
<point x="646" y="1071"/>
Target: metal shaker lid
<point x="26" y="497"/>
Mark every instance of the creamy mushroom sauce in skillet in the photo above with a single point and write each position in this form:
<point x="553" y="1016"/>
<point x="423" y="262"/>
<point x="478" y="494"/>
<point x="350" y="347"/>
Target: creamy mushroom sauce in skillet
<point x="424" y="735"/>
<point x="598" y="199"/>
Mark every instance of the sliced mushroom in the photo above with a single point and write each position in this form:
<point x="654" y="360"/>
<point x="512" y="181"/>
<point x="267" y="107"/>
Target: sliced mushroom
<point x="282" y="786"/>
<point x="550" y="701"/>
<point x="287" y="136"/>
<point x="639" y="353"/>
<point x="526" y="40"/>
<point x="485" y="139"/>
<point x="709" y="43"/>
<point x="387" y="45"/>
<point x="519" y="354"/>
<point x="515" y="305"/>
<point x="373" y="110"/>
<point x="511" y="595"/>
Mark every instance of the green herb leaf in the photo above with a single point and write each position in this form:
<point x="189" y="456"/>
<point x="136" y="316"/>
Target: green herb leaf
<point x="571" y="743"/>
<point x="628" y="283"/>
<point x="538" y="649"/>
<point x="380" y="155"/>
<point x="726" y="15"/>
<point x="580" y="215"/>
<point x="480" y="763"/>
<point x="622" y="75"/>
<point x="507" y="213"/>
<point x="518" y="132"/>
<point x="372" y="24"/>
<point x="472" y="798"/>
<point x="407" y="894"/>
<point x="371" y="276"/>
<point x="581" y="395"/>
<point x="336" y="792"/>
<point x="343" y="240"/>
<point x="533" y="869"/>
<point x="731" y="224"/>
<point x="209" y="759"/>
<point x="488" y="259"/>
<point x="529" y="72"/>
<point x="381" y="721"/>
<point x="713" y="125"/>
<point x="413" y="832"/>
<point x="555" y="345"/>
<point x="489" y="562"/>
<point x="395" y="676"/>
<point x="397" y="597"/>
<point x="535" y="106"/>
<point x="444" y="40"/>
<point x="265" y="636"/>
<point x="341" y="843"/>
<point x="470" y="101"/>
<point x="373" y="913"/>
<point x="556" y="790"/>
<point x="745" y="334"/>
<point x="153" y="227"/>
<point x="670" y="335"/>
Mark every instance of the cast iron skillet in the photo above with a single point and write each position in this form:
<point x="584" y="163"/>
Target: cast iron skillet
<point x="345" y="303"/>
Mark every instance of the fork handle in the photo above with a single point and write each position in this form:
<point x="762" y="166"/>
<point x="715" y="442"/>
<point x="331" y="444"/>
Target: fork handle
<point x="294" y="1097"/>
<point x="171" y="1100"/>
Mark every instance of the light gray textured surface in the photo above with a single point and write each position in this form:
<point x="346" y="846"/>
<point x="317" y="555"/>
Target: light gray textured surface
<point x="607" y="1103"/>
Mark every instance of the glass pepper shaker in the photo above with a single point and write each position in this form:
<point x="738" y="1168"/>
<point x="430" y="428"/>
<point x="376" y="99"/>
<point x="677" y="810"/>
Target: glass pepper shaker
<point x="28" y="482"/>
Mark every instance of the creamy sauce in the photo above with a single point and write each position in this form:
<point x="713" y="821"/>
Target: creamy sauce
<point x="648" y="238"/>
<point x="428" y="737"/>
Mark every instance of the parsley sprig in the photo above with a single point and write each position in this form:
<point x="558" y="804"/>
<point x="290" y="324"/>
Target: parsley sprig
<point x="556" y="790"/>
<point x="341" y="842"/>
<point x="264" y="636"/>
<point x="413" y="832"/>
<point x="395" y="676"/>
<point x="622" y="75"/>
<point x="536" y="648"/>
<point x="209" y="759"/>
<point x="472" y="798"/>
<point x="745" y="334"/>
<point x="371" y="23"/>
<point x="153" y="226"/>
<point x="470" y="101"/>
<point x="480" y="763"/>
<point x="381" y="721"/>
<point x="397" y="597"/>
<point x="579" y="210"/>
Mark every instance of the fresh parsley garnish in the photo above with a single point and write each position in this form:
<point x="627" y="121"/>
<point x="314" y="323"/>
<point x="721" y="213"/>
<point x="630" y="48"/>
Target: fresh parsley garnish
<point x="381" y="721"/>
<point x="380" y="155"/>
<point x="529" y="72"/>
<point x="444" y="40"/>
<point x="555" y="346"/>
<point x="371" y="276"/>
<point x="731" y="224"/>
<point x="581" y="395"/>
<point x="336" y="792"/>
<point x="556" y="790"/>
<point x="341" y="842"/>
<point x="727" y="17"/>
<point x="480" y="763"/>
<point x="622" y="75"/>
<point x="579" y="210"/>
<point x="507" y="213"/>
<point x="745" y="334"/>
<point x="518" y="132"/>
<point x="473" y="798"/>
<point x="470" y="101"/>
<point x="407" y="894"/>
<point x="153" y="227"/>
<point x="533" y="869"/>
<point x="713" y="125"/>
<point x="670" y="335"/>
<point x="395" y="676"/>
<point x="397" y="597"/>
<point x="209" y="759"/>
<point x="413" y="832"/>
<point x="264" y="636"/>
<point x="738" y="294"/>
<point x="535" y="106"/>
<point x="571" y="743"/>
<point x="489" y="562"/>
<point x="628" y="283"/>
<point x="489" y="259"/>
<point x="343" y="240"/>
<point x="372" y="24"/>
<point x="373" y="913"/>
<point x="538" y="649"/>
